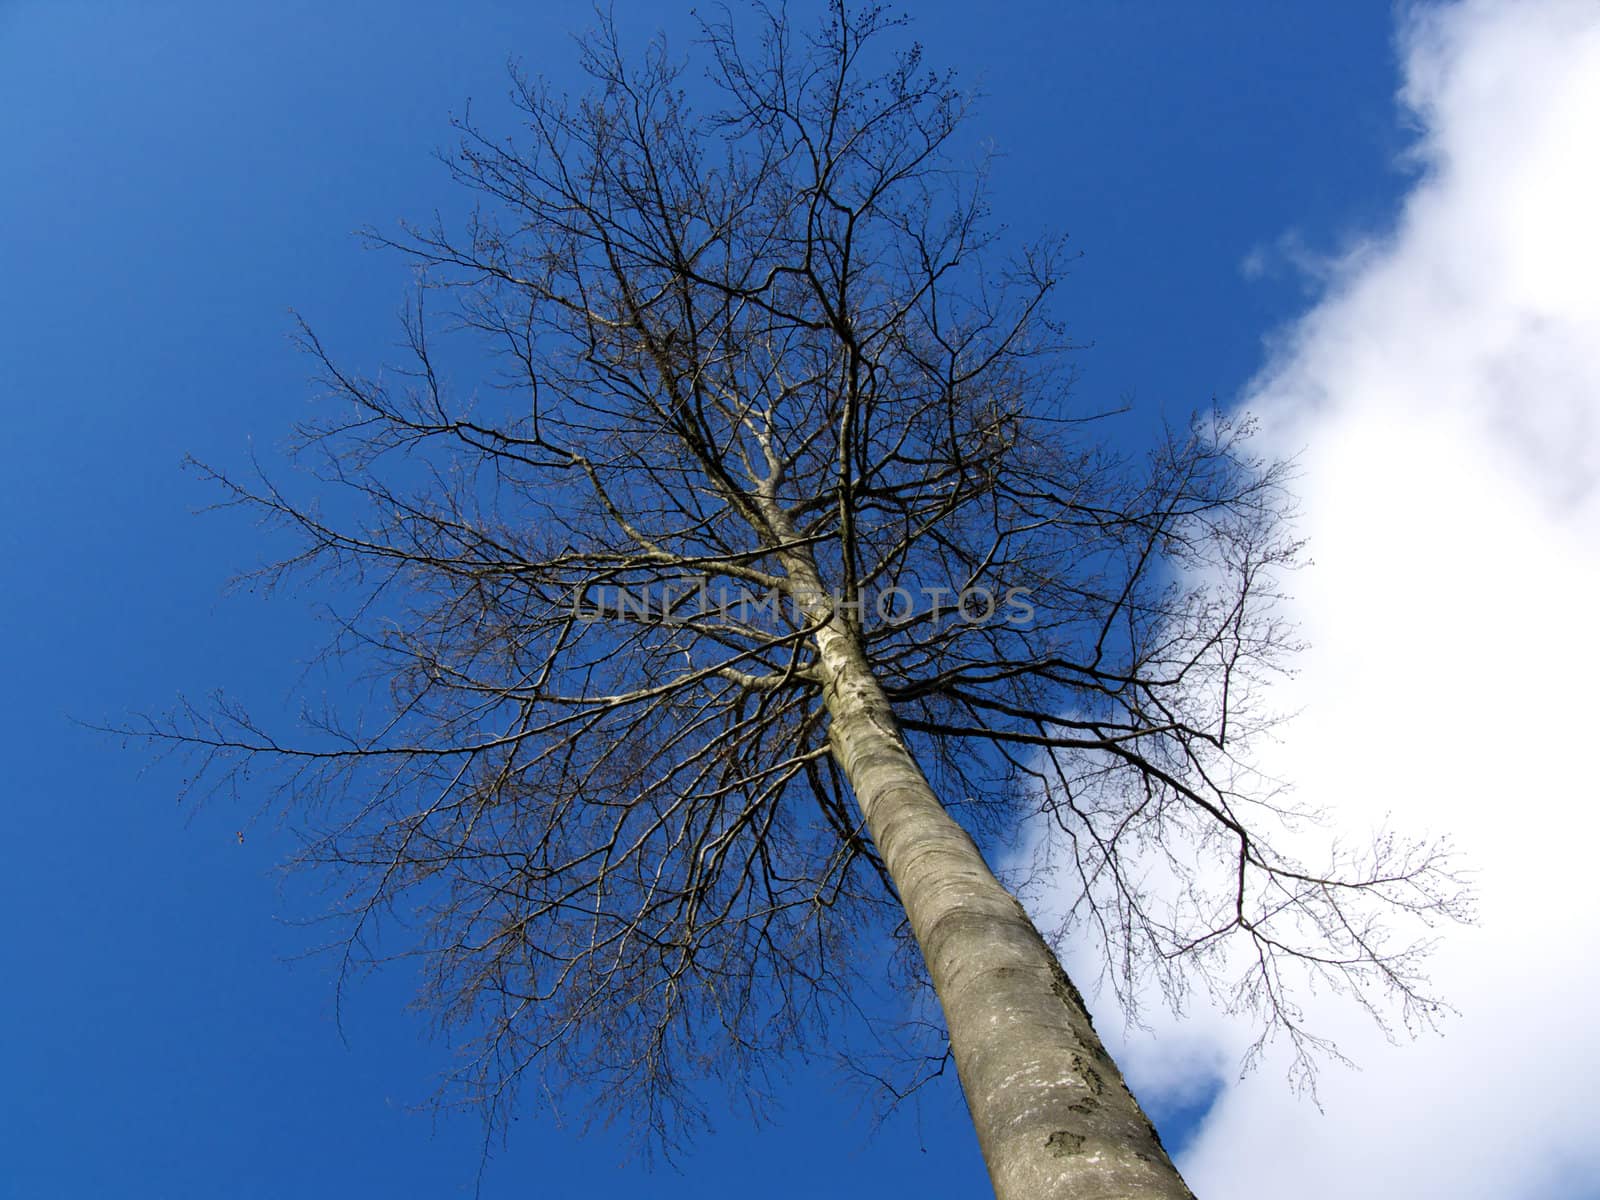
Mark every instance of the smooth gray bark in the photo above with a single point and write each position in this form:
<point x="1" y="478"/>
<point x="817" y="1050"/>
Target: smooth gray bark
<point x="1054" y="1118"/>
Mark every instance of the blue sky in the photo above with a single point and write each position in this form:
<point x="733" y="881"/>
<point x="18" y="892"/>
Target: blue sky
<point x="179" y="175"/>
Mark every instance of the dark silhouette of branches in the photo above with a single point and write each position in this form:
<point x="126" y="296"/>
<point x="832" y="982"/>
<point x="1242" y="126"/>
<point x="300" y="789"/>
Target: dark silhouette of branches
<point x="776" y="409"/>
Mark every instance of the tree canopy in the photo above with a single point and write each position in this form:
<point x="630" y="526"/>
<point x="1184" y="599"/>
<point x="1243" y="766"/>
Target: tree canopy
<point x="766" y="373"/>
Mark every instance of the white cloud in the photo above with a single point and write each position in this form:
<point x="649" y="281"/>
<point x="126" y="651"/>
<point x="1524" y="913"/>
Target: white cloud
<point x="1446" y="392"/>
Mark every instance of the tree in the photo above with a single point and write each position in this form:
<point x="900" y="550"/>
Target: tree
<point x="778" y="566"/>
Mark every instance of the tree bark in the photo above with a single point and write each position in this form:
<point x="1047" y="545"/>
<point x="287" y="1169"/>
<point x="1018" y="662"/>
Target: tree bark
<point x="1055" y="1120"/>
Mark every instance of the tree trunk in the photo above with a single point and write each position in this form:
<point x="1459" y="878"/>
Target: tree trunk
<point x="1054" y="1119"/>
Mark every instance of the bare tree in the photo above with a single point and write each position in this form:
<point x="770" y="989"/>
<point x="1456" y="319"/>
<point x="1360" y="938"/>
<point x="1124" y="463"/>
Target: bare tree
<point x="779" y="509"/>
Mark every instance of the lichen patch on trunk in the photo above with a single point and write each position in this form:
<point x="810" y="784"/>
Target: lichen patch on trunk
<point x="1064" y="1143"/>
